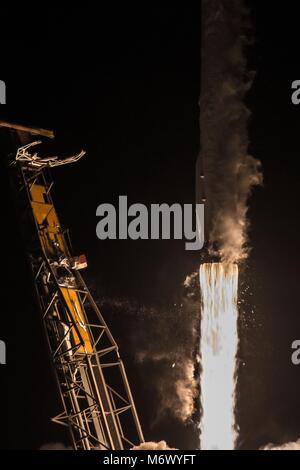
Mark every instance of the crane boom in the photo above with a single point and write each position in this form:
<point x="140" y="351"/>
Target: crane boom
<point x="28" y="129"/>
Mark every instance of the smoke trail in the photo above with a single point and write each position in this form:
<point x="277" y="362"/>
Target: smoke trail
<point x="161" y="445"/>
<point x="226" y="172"/>
<point x="288" y="446"/>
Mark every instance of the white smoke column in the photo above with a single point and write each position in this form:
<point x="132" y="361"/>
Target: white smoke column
<point x="226" y="172"/>
<point x="218" y="349"/>
<point x="288" y="446"/>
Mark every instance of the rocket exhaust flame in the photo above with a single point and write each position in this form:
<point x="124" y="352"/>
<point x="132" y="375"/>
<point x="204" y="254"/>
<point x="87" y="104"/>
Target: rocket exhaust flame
<point x="218" y="349"/>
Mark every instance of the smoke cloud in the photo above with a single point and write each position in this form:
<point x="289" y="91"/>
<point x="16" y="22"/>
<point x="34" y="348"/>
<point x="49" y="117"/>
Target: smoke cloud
<point x="170" y="349"/>
<point x="177" y="389"/>
<point x="162" y="445"/>
<point x="226" y="172"/>
<point x="288" y="446"/>
<point x="167" y="347"/>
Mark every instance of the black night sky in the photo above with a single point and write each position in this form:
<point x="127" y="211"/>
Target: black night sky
<point x="123" y="82"/>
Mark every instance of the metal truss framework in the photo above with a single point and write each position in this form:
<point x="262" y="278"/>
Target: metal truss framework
<point x="98" y="406"/>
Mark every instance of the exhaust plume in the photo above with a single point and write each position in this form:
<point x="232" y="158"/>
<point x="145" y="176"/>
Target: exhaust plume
<point x="218" y="347"/>
<point x="226" y="172"/>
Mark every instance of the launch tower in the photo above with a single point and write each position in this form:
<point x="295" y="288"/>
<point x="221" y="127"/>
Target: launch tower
<point x="97" y="403"/>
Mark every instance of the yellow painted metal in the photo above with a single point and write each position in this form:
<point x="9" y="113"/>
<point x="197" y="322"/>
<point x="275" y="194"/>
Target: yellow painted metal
<point x="47" y="219"/>
<point x="50" y="231"/>
<point x="73" y="302"/>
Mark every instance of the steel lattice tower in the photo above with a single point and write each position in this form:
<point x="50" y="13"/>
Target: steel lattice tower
<point x="98" y="406"/>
